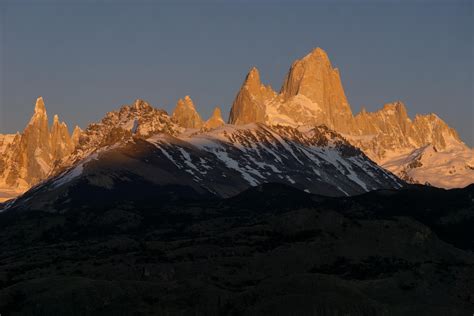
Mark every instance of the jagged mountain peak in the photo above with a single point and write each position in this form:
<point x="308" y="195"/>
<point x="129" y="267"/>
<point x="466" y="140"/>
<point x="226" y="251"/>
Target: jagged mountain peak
<point x="141" y="104"/>
<point x="312" y="94"/>
<point x="135" y="121"/>
<point x="217" y="112"/>
<point x="185" y="102"/>
<point x="316" y="55"/>
<point x="77" y="130"/>
<point x="249" y="105"/>
<point x="313" y="77"/>
<point x="397" y="106"/>
<point x="253" y="72"/>
<point x="252" y="80"/>
<point x="31" y="155"/>
<point x="433" y="117"/>
<point x="363" y="111"/>
<point x="76" y="135"/>
<point x="40" y="116"/>
<point x="57" y="123"/>
<point x="215" y="120"/>
<point x="185" y="114"/>
<point x="39" y="106"/>
<point x="188" y="101"/>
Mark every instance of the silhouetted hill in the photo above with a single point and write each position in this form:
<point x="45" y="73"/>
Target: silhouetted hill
<point x="271" y="249"/>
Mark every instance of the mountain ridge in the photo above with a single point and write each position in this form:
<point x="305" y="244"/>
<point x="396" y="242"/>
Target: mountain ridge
<point x="221" y="162"/>
<point x="312" y="94"/>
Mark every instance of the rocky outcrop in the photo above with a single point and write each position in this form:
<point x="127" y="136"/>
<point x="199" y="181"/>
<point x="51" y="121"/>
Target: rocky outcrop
<point x="312" y="93"/>
<point x="390" y="131"/>
<point x="76" y="135"/>
<point x="324" y="102"/>
<point x="61" y="142"/>
<point x="31" y="155"/>
<point x="5" y="141"/>
<point x="40" y="151"/>
<point x="250" y="103"/>
<point x="215" y="120"/>
<point x="31" y="160"/>
<point x="185" y="114"/>
<point x="136" y="121"/>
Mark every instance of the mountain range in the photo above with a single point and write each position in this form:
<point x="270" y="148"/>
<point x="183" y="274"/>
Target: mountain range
<point x="139" y="146"/>
<point x="295" y="206"/>
<point x="305" y="135"/>
<point x="312" y="94"/>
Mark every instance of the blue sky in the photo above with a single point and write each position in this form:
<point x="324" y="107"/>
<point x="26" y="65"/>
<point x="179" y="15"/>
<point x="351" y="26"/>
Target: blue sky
<point x="87" y="58"/>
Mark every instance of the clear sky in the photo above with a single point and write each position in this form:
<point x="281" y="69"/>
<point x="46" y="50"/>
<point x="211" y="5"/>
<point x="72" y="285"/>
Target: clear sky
<point x="89" y="57"/>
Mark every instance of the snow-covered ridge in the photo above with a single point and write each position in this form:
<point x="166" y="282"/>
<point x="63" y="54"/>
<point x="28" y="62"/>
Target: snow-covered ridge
<point x="223" y="162"/>
<point x="261" y="153"/>
<point x="427" y="165"/>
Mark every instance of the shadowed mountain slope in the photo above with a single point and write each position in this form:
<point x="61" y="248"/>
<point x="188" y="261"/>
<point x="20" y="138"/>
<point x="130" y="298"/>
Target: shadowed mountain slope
<point x="270" y="250"/>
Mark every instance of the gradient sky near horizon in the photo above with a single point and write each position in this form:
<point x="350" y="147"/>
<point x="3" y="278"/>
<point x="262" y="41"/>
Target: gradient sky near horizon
<point x="86" y="58"/>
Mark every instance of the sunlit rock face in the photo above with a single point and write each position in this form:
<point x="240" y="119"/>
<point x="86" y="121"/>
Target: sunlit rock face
<point x="185" y="114"/>
<point x="135" y="121"/>
<point x="41" y="151"/>
<point x="390" y="129"/>
<point x="29" y="157"/>
<point x="61" y="142"/>
<point x="324" y="99"/>
<point x="312" y="94"/>
<point x="251" y="101"/>
<point x="76" y="135"/>
<point x="215" y="120"/>
<point x="423" y="150"/>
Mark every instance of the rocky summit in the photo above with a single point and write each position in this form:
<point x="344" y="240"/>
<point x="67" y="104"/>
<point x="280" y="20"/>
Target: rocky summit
<point x="249" y="104"/>
<point x="185" y="114"/>
<point x="312" y="94"/>
<point x="215" y="120"/>
<point x="27" y="158"/>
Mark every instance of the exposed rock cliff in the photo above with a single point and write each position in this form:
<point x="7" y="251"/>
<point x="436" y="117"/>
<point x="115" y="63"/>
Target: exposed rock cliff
<point x="215" y="120"/>
<point x="185" y="114"/>
<point x="324" y="99"/>
<point x="29" y="157"/>
<point x="250" y="103"/>
<point x="76" y="135"/>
